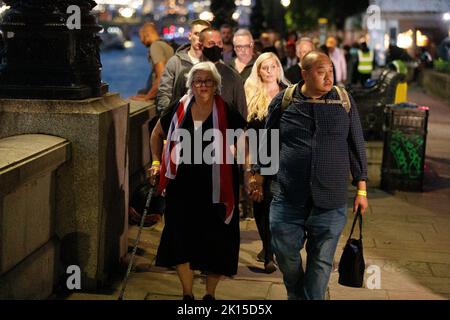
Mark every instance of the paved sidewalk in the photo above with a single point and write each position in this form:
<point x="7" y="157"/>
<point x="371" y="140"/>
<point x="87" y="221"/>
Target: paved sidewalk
<point x="410" y="245"/>
<point x="406" y="235"/>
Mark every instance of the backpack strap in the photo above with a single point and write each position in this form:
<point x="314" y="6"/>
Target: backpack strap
<point x="343" y="96"/>
<point x="344" y="99"/>
<point x="287" y="97"/>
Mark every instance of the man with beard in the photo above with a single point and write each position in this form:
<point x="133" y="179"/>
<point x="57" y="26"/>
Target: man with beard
<point x="226" y="32"/>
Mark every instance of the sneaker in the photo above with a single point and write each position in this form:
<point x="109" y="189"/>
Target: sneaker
<point x="270" y="267"/>
<point x="208" y="297"/>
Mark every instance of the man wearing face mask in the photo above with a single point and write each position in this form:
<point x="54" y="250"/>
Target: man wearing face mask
<point x="233" y="90"/>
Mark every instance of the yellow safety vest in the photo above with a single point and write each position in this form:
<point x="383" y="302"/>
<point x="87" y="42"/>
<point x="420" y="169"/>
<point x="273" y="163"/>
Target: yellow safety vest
<point x="365" y="62"/>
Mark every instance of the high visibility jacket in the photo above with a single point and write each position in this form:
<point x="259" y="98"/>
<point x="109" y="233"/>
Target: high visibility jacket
<point x="365" y="62"/>
<point x="400" y="66"/>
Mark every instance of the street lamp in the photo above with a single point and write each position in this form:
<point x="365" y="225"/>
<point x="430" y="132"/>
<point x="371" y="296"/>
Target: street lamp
<point x="446" y="16"/>
<point x="285" y="3"/>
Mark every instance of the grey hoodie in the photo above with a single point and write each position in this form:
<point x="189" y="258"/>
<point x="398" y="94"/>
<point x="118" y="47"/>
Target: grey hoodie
<point x="179" y="64"/>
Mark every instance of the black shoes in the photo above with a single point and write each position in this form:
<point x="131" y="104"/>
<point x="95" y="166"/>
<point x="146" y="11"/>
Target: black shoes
<point x="208" y="297"/>
<point x="270" y="267"/>
<point x="188" y="297"/>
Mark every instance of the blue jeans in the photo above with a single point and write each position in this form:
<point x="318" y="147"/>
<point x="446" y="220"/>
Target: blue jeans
<point x="290" y="226"/>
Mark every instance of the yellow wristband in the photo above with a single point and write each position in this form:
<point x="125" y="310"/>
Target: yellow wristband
<point x="362" y="193"/>
<point x="156" y="163"/>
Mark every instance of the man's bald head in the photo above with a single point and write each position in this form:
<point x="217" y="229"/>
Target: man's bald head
<point x="317" y="72"/>
<point x="148" y="26"/>
<point x="313" y="57"/>
<point x="148" y="33"/>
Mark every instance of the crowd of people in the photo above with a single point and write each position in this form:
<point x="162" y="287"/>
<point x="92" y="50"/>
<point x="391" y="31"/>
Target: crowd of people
<point x="225" y="79"/>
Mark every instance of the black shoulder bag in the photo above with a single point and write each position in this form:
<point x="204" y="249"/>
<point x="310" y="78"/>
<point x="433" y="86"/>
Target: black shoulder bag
<point x="352" y="265"/>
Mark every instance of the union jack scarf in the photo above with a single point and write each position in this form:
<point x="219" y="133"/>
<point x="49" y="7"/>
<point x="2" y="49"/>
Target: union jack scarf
<point x="222" y="175"/>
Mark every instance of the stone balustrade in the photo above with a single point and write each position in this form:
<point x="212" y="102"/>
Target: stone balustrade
<point x="28" y="246"/>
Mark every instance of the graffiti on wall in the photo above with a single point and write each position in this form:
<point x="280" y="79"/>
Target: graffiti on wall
<point x="407" y="150"/>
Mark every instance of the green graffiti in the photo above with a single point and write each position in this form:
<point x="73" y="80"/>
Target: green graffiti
<point x="407" y="152"/>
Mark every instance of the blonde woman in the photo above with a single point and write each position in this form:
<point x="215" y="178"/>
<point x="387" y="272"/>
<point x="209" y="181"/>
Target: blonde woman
<point x="265" y="82"/>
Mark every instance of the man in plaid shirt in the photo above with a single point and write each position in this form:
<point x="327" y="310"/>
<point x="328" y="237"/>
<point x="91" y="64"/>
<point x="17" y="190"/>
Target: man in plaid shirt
<point x="320" y="143"/>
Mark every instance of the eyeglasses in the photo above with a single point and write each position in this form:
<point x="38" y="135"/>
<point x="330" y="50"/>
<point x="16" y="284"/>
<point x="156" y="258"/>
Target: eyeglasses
<point x="207" y="83"/>
<point x="244" y="47"/>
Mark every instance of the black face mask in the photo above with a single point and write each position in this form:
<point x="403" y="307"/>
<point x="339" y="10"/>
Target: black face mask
<point x="213" y="54"/>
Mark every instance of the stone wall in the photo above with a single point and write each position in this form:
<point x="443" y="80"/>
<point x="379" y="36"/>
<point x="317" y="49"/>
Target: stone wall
<point x="142" y="118"/>
<point x="374" y="152"/>
<point x="28" y="246"/>
<point x="436" y="83"/>
<point x="92" y="194"/>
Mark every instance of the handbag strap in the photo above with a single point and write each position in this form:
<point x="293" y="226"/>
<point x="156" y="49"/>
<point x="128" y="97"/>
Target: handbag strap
<point x="359" y="217"/>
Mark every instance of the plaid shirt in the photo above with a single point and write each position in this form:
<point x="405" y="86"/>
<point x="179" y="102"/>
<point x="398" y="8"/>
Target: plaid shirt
<point x="320" y="144"/>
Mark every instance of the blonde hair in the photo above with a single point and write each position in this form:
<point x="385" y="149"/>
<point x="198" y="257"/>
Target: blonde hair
<point x="255" y="91"/>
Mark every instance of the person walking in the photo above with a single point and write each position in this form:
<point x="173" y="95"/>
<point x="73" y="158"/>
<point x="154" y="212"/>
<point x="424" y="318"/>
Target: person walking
<point x="302" y="47"/>
<point x="183" y="60"/>
<point x="265" y="81"/>
<point x="243" y="46"/>
<point x="338" y="58"/>
<point x="201" y="229"/>
<point x="159" y="53"/>
<point x="321" y="142"/>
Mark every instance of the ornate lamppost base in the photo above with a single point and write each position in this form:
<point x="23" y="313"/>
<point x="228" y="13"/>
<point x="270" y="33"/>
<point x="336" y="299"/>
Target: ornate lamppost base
<point x="44" y="57"/>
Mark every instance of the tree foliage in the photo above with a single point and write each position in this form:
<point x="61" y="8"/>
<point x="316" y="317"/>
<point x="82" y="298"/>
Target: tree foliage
<point x="223" y="10"/>
<point x="257" y="19"/>
<point x="304" y="14"/>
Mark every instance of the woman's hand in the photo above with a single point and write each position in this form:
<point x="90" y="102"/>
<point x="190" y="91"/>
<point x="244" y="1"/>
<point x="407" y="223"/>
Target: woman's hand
<point x="255" y="187"/>
<point x="153" y="173"/>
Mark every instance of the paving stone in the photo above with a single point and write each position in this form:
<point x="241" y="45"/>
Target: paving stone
<point x="416" y="295"/>
<point x="249" y="235"/>
<point x="400" y="266"/>
<point x="90" y="296"/>
<point x="242" y="290"/>
<point x="277" y="292"/>
<point x="154" y="283"/>
<point x="434" y="246"/>
<point x="408" y="254"/>
<point x="440" y="270"/>
<point x="339" y="292"/>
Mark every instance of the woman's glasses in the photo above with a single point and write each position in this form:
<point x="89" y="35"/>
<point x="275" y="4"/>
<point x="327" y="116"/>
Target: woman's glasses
<point x="207" y="83"/>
